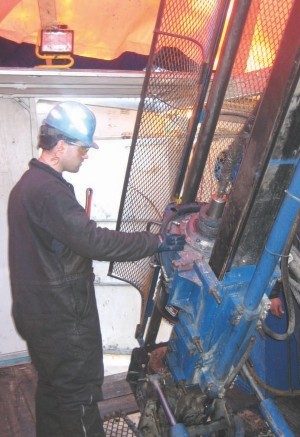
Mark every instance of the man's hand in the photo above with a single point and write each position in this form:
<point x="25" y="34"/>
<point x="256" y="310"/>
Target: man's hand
<point x="168" y="242"/>
<point x="276" y="307"/>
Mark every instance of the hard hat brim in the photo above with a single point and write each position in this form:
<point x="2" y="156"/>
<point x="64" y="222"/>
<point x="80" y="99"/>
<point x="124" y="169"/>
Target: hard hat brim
<point x="94" y="146"/>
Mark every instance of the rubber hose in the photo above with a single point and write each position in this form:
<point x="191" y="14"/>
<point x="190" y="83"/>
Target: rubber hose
<point x="286" y="289"/>
<point x="275" y="391"/>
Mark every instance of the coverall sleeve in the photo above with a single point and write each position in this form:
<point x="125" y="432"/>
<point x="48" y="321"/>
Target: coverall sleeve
<point x="66" y="220"/>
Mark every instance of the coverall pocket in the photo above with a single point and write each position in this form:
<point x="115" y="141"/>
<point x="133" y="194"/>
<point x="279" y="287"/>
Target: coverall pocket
<point x="82" y="292"/>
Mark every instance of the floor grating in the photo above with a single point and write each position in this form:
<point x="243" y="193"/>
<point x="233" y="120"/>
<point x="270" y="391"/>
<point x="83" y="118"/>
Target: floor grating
<point x="120" y="426"/>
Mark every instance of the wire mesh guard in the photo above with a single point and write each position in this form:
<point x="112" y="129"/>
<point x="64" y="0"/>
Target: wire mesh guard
<point x="261" y="37"/>
<point x="184" y="36"/>
<point x="178" y="60"/>
<point x="120" y="425"/>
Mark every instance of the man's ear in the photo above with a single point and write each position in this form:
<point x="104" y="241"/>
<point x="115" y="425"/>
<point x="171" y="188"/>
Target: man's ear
<point x="61" y="146"/>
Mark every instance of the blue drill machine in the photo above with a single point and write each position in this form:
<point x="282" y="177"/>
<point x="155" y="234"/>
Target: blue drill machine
<point x="215" y="157"/>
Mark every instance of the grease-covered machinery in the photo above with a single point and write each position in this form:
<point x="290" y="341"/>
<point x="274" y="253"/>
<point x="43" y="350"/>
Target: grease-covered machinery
<point x="215" y="156"/>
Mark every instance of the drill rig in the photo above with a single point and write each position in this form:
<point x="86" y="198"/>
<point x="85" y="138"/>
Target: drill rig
<point x="215" y="157"/>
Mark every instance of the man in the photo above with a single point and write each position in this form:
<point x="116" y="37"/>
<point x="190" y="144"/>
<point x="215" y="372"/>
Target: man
<point x="52" y="243"/>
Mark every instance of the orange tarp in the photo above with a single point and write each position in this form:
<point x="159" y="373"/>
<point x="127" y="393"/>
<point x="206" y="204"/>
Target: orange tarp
<point x="103" y="29"/>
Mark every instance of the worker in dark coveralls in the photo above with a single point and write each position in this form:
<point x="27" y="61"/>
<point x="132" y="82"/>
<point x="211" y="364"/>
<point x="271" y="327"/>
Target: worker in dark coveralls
<point x="52" y="243"/>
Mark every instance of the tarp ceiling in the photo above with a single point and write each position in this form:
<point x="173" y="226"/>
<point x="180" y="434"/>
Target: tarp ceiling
<point x="103" y="29"/>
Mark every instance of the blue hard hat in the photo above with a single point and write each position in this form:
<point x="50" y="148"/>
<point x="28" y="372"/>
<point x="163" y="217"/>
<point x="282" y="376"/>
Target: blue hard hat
<point x="74" y="120"/>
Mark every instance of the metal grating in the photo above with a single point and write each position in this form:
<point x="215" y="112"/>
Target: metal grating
<point x="119" y="425"/>
<point x="184" y="42"/>
<point x="174" y="92"/>
<point x="259" y="44"/>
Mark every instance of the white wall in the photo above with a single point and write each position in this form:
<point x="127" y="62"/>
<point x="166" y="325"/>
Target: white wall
<point x="118" y="305"/>
<point x="15" y="152"/>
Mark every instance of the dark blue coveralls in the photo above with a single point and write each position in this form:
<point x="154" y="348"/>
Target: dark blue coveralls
<point x="52" y="243"/>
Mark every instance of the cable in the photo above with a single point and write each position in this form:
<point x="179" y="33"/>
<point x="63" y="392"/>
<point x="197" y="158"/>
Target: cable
<point x="291" y="288"/>
<point x="270" y="389"/>
<point x="287" y="289"/>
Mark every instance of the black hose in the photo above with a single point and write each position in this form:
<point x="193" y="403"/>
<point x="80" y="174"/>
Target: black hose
<point x="275" y="391"/>
<point x="287" y="289"/>
<point x="295" y="288"/>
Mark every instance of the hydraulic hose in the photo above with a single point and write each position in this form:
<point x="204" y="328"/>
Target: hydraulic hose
<point x="275" y="391"/>
<point x="287" y="289"/>
<point x="290" y="288"/>
<point x="295" y="288"/>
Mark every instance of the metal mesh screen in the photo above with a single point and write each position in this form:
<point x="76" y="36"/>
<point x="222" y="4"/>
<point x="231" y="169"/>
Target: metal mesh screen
<point x="185" y="35"/>
<point x="182" y="42"/>
<point x="260" y="40"/>
<point x="120" y="425"/>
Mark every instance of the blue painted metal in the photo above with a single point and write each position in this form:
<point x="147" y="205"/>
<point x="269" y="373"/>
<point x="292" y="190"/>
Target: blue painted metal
<point x="274" y="418"/>
<point x="270" y="411"/>
<point x="260" y="282"/>
<point x="275" y="243"/>
<point x="276" y="362"/>
<point x="210" y="314"/>
<point x="13" y="361"/>
<point x="178" y="430"/>
<point x="217" y="319"/>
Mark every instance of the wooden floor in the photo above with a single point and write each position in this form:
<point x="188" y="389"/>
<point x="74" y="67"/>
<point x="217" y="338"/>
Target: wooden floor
<point x="17" y="387"/>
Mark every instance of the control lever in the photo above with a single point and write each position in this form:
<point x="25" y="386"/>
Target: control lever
<point x="88" y="201"/>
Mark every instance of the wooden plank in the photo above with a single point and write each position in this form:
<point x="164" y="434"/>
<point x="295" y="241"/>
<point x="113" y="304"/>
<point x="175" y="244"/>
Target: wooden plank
<point x="17" y="418"/>
<point x="26" y="378"/>
<point x="17" y="405"/>
<point x="17" y="387"/>
<point x="123" y="404"/>
<point x="115" y="386"/>
<point x="118" y="397"/>
<point x="47" y="11"/>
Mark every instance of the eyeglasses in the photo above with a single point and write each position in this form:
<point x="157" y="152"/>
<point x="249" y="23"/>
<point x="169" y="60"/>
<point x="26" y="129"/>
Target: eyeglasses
<point x="83" y="149"/>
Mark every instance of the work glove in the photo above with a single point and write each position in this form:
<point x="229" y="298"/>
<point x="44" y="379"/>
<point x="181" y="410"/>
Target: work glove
<point x="170" y="242"/>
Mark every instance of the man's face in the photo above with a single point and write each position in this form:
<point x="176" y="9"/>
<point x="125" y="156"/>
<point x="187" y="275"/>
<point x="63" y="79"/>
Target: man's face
<point x="73" y="156"/>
